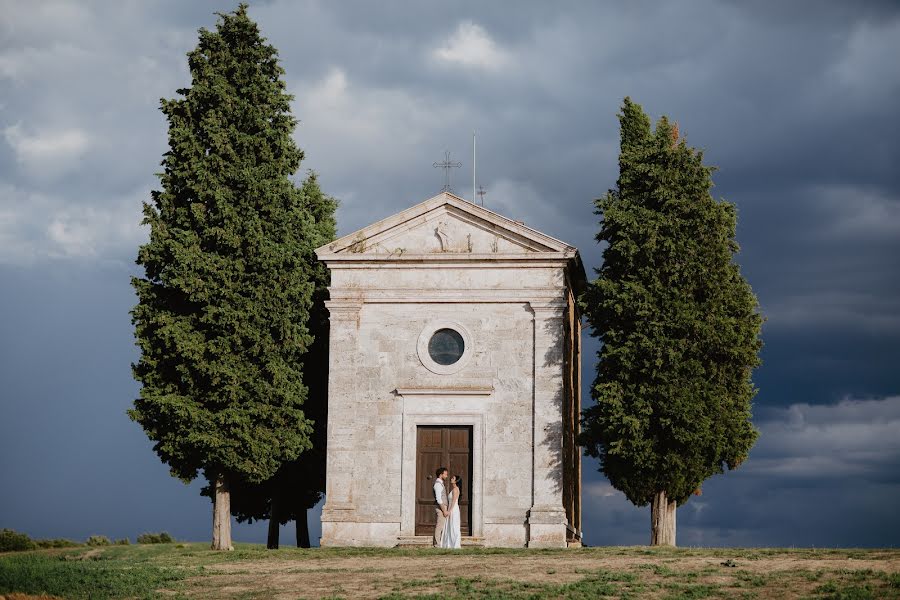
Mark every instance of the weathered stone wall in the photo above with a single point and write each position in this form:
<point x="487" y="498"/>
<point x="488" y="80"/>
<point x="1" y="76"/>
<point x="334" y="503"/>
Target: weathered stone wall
<point x="375" y="353"/>
<point x="367" y="415"/>
<point x="507" y="292"/>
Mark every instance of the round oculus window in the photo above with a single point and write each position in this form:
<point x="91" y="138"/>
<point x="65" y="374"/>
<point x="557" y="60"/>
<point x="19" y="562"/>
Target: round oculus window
<point x="446" y="346"/>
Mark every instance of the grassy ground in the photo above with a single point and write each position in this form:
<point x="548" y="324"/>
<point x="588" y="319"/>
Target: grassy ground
<point x="194" y="571"/>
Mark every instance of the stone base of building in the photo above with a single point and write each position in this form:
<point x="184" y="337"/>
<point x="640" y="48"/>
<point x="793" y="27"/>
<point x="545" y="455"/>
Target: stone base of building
<point x="547" y="527"/>
<point x="425" y="541"/>
<point x="341" y="534"/>
<point x="359" y="534"/>
<point x="543" y="527"/>
<point x="506" y="535"/>
<point x="387" y="535"/>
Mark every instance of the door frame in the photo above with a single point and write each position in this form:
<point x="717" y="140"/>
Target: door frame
<point x="465" y="515"/>
<point x="467" y="411"/>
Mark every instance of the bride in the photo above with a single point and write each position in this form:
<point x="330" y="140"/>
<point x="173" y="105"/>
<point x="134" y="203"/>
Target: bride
<point x="452" y="537"/>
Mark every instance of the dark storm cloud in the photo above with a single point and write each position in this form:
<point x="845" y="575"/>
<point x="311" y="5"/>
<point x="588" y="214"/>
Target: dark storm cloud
<point x="795" y="102"/>
<point x="819" y="476"/>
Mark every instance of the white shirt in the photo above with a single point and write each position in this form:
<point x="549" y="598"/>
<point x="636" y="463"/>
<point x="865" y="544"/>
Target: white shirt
<point x="439" y="491"/>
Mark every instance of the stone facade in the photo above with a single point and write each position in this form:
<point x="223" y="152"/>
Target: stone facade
<point x="508" y="291"/>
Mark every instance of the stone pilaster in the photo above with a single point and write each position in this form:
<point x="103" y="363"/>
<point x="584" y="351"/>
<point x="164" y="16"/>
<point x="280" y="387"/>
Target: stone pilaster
<point x="343" y="341"/>
<point x="547" y="516"/>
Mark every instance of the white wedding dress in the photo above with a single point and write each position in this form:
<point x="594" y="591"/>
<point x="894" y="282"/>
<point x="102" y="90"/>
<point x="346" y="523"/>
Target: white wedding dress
<point x="452" y="537"/>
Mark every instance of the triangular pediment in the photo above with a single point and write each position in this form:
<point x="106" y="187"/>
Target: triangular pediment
<point x="442" y="225"/>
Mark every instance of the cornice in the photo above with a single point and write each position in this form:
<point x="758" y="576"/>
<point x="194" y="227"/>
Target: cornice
<point x="440" y="259"/>
<point x="443" y="296"/>
<point x="449" y="391"/>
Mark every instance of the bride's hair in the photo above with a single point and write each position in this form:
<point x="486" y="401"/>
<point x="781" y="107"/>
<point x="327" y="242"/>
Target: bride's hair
<point x="459" y="482"/>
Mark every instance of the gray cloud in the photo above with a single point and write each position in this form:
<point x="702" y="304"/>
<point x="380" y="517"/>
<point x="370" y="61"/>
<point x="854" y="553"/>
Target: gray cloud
<point x="811" y="467"/>
<point x="853" y="438"/>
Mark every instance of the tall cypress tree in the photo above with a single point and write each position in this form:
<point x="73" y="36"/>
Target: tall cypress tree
<point x="679" y="327"/>
<point x="300" y="484"/>
<point x="223" y="308"/>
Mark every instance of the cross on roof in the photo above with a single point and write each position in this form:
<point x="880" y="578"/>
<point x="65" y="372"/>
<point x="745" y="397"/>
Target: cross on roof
<point x="446" y="165"/>
<point x="481" y="192"/>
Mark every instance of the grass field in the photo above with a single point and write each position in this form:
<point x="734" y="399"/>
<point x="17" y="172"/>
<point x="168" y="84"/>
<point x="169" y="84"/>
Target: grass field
<point x="251" y="571"/>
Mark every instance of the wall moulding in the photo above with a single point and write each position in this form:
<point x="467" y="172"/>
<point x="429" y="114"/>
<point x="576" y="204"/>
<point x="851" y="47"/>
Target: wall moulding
<point x="450" y="391"/>
<point x="548" y="309"/>
<point x="343" y="310"/>
<point x="468" y="296"/>
<point x="441" y="260"/>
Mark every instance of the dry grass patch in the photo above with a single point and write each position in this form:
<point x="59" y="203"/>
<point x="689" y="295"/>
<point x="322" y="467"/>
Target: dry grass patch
<point x="627" y="573"/>
<point x="193" y="571"/>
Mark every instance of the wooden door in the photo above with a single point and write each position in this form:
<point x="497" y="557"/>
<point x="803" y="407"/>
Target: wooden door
<point x="449" y="447"/>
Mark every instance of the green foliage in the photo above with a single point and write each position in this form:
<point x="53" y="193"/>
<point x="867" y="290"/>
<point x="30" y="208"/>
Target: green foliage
<point x="223" y="310"/>
<point x="95" y="578"/>
<point x="56" y="543"/>
<point x="835" y="591"/>
<point x="13" y="541"/>
<point x="300" y="484"/>
<point x="155" y="538"/>
<point x="98" y="540"/>
<point x="679" y="324"/>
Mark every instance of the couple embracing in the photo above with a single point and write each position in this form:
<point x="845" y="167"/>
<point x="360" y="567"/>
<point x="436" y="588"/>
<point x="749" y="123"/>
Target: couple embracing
<point x="446" y="529"/>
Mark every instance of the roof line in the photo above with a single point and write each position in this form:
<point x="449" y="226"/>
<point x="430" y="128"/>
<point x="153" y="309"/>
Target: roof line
<point x="434" y="202"/>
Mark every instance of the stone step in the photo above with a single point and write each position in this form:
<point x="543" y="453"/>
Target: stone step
<point x="424" y="541"/>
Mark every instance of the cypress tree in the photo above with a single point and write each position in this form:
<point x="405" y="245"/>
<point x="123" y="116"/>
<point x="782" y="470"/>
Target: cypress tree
<point x="679" y="326"/>
<point x="223" y="309"/>
<point x="300" y="484"/>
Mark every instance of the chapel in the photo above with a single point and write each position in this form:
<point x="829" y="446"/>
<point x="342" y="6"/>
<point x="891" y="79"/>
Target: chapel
<point x="455" y="341"/>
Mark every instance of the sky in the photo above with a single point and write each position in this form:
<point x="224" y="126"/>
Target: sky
<point x="795" y="103"/>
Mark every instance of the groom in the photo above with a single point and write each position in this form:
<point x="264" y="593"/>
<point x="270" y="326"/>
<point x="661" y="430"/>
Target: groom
<point x="440" y="498"/>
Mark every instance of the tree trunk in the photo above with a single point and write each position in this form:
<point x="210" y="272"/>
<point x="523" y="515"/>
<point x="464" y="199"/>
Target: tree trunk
<point x="274" y="525"/>
<point x="671" y="523"/>
<point x="662" y="520"/>
<point x="222" y="516"/>
<point x="302" y="529"/>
